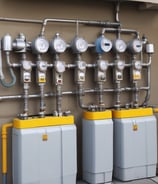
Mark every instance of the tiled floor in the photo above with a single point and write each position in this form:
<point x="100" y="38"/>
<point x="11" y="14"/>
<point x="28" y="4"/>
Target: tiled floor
<point x="144" y="181"/>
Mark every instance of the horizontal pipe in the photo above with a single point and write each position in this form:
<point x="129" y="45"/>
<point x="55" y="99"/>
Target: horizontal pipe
<point x="120" y="30"/>
<point x="14" y="97"/>
<point x="75" y="21"/>
<point x="5" y="19"/>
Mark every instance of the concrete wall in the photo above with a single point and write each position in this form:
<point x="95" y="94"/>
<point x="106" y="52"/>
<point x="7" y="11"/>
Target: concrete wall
<point x="130" y="16"/>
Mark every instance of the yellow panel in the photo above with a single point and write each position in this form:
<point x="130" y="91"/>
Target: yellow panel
<point x="43" y="122"/>
<point x="132" y="113"/>
<point x="97" y="115"/>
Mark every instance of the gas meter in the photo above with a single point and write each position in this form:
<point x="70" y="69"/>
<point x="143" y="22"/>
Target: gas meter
<point x="40" y="45"/>
<point x="118" y="72"/>
<point x="135" y="46"/>
<point x="57" y="44"/>
<point x="102" y="45"/>
<point x="100" y="71"/>
<point x="119" y="46"/>
<point x="79" y="45"/>
<point x="80" y="71"/>
<point x="41" y="71"/>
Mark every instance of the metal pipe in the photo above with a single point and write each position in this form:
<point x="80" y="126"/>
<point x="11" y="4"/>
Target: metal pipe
<point x="13" y="77"/>
<point x="42" y="104"/>
<point x="109" y="90"/>
<point x="4" y="151"/>
<point x="5" y="19"/>
<point x="86" y="22"/>
<point x="24" y="115"/>
<point x="59" y="100"/>
<point x="135" y="94"/>
<point x="145" y="103"/>
<point x="80" y="95"/>
<point x="101" y="102"/>
<point x="118" y="93"/>
<point x="125" y="31"/>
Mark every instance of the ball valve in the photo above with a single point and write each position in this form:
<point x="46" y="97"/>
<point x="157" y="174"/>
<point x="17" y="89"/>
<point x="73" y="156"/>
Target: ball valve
<point x="102" y="45"/>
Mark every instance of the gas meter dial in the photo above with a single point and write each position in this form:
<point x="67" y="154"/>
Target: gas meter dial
<point x="119" y="46"/>
<point x="40" y="45"/>
<point x="135" y="46"/>
<point x="60" y="66"/>
<point x="137" y="65"/>
<point x="58" y="44"/>
<point x="79" y="45"/>
<point x="120" y="65"/>
<point x="103" y="65"/>
<point x="102" y="45"/>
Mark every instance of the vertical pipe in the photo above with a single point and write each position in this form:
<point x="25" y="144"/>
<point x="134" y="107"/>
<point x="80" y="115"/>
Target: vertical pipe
<point x="42" y="104"/>
<point x="135" y="94"/>
<point x="59" y="99"/>
<point x="4" y="151"/>
<point x="101" y="102"/>
<point x="26" y="97"/>
<point x="118" y="93"/>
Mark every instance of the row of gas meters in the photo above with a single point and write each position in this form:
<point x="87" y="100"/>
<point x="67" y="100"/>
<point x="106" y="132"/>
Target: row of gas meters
<point x="57" y="45"/>
<point x="40" y="45"/>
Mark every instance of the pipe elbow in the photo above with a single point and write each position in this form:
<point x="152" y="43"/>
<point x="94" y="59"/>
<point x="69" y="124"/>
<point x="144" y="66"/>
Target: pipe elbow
<point x="5" y="127"/>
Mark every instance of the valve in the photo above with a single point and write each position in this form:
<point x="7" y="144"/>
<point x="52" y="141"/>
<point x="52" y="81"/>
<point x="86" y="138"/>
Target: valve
<point x="41" y="72"/>
<point x="59" y="70"/>
<point x="19" y="44"/>
<point x="26" y="71"/>
<point x="136" y="70"/>
<point x="118" y="72"/>
<point x="100" y="71"/>
<point x="80" y="71"/>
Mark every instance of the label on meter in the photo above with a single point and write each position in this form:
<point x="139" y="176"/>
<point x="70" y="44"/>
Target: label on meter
<point x="136" y="75"/>
<point x="41" y="77"/>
